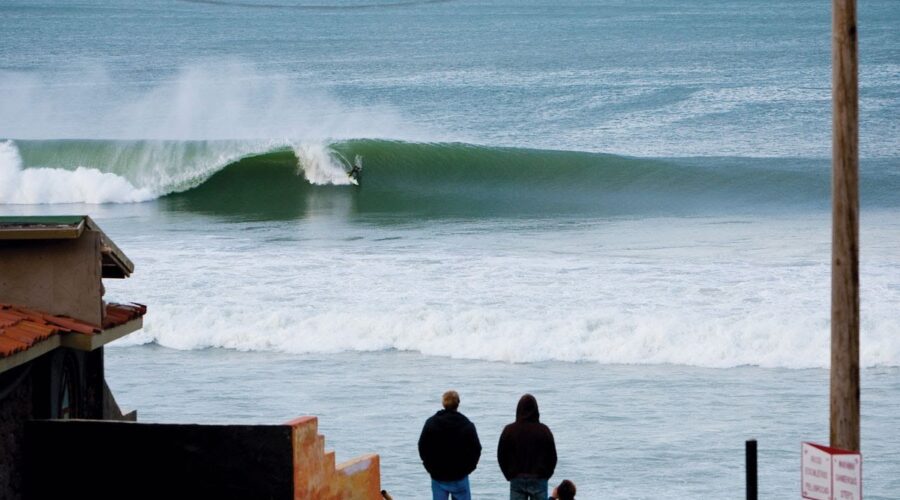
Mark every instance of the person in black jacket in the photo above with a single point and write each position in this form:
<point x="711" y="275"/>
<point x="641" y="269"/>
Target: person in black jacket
<point x="450" y="449"/>
<point x="527" y="453"/>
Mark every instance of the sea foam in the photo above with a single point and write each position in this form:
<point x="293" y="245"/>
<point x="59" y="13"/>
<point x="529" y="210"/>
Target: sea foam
<point x="629" y="292"/>
<point x="608" y="337"/>
<point x="54" y="185"/>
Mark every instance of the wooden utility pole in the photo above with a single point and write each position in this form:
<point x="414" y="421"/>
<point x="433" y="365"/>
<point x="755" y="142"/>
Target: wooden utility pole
<point x="845" y="229"/>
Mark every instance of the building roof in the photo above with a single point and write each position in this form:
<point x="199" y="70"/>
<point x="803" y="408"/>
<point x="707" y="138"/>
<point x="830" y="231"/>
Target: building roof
<point x="23" y="329"/>
<point x="115" y="263"/>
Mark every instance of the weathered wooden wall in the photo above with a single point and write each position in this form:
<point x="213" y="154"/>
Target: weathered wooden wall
<point x="59" y="277"/>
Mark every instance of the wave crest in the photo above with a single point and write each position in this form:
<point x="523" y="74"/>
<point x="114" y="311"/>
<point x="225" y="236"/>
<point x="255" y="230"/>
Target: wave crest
<point x="55" y="185"/>
<point x="321" y="165"/>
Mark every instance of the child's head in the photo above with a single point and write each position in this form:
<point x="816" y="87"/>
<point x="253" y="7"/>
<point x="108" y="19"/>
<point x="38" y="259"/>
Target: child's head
<point x="565" y="490"/>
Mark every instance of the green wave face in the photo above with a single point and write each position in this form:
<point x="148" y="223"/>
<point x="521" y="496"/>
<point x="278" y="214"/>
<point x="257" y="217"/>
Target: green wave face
<point x="266" y="186"/>
<point x="467" y="181"/>
<point x="268" y="180"/>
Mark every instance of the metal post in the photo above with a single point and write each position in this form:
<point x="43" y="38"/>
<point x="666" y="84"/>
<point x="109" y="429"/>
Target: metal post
<point x="750" y="451"/>
<point x="845" y="229"/>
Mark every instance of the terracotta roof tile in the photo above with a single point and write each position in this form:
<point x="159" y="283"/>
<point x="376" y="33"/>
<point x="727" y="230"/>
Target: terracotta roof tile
<point x="8" y="321"/>
<point x="73" y="325"/>
<point x="28" y="332"/>
<point x="20" y="334"/>
<point x="21" y="328"/>
<point x="117" y="314"/>
<point x="9" y="346"/>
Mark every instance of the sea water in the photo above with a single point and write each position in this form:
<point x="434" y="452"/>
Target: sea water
<point x="620" y="207"/>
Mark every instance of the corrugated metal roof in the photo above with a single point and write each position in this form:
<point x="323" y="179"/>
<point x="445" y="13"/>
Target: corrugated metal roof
<point x="44" y="220"/>
<point x="21" y="328"/>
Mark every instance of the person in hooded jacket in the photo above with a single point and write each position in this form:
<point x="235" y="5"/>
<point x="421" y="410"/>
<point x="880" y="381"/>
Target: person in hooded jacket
<point x="450" y="449"/>
<point x="527" y="453"/>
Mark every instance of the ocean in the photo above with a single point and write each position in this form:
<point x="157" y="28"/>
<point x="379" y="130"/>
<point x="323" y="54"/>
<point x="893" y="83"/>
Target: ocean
<point x="622" y="208"/>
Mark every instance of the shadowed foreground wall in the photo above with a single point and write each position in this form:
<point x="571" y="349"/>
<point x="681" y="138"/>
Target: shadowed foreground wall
<point x="94" y="459"/>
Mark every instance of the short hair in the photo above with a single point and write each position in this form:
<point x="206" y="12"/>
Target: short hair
<point x="450" y="400"/>
<point x="566" y="490"/>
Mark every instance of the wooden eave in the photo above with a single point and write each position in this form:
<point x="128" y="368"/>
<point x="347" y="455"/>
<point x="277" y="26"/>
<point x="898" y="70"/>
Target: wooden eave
<point x="19" y="228"/>
<point x="115" y="263"/>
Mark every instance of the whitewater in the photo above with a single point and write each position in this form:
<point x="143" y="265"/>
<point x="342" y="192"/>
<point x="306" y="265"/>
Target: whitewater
<point x="620" y="207"/>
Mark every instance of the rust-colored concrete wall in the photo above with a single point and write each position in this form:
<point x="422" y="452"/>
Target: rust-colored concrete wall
<point x="317" y="476"/>
<point x="60" y="277"/>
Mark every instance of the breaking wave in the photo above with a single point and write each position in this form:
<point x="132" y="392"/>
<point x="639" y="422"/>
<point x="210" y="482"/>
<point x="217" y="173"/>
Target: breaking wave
<point x="431" y="178"/>
<point x="53" y="185"/>
<point x="770" y="338"/>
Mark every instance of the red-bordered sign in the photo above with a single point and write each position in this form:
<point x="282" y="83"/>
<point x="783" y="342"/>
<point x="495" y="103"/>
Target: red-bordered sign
<point x="828" y="473"/>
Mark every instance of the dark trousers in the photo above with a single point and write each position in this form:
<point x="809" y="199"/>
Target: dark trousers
<point x="526" y="488"/>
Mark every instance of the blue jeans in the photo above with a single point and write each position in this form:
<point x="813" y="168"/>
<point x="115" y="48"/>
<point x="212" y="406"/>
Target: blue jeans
<point x="441" y="490"/>
<point x="526" y="488"/>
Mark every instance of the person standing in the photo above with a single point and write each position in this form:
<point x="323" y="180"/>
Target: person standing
<point x="565" y="491"/>
<point x="527" y="453"/>
<point x="449" y="449"/>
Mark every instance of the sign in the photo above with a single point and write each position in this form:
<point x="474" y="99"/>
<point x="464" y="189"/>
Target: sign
<point x="830" y="473"/>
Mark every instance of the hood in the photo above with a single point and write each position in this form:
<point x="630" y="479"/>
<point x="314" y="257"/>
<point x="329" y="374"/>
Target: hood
<point x="527" y="411"/>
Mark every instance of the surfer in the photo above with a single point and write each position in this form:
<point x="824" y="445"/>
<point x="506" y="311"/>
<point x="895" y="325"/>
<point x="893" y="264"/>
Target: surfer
<point x="355" y="170"/>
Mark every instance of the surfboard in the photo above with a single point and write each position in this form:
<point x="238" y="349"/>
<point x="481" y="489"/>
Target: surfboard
<point x="353" y="180"/>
